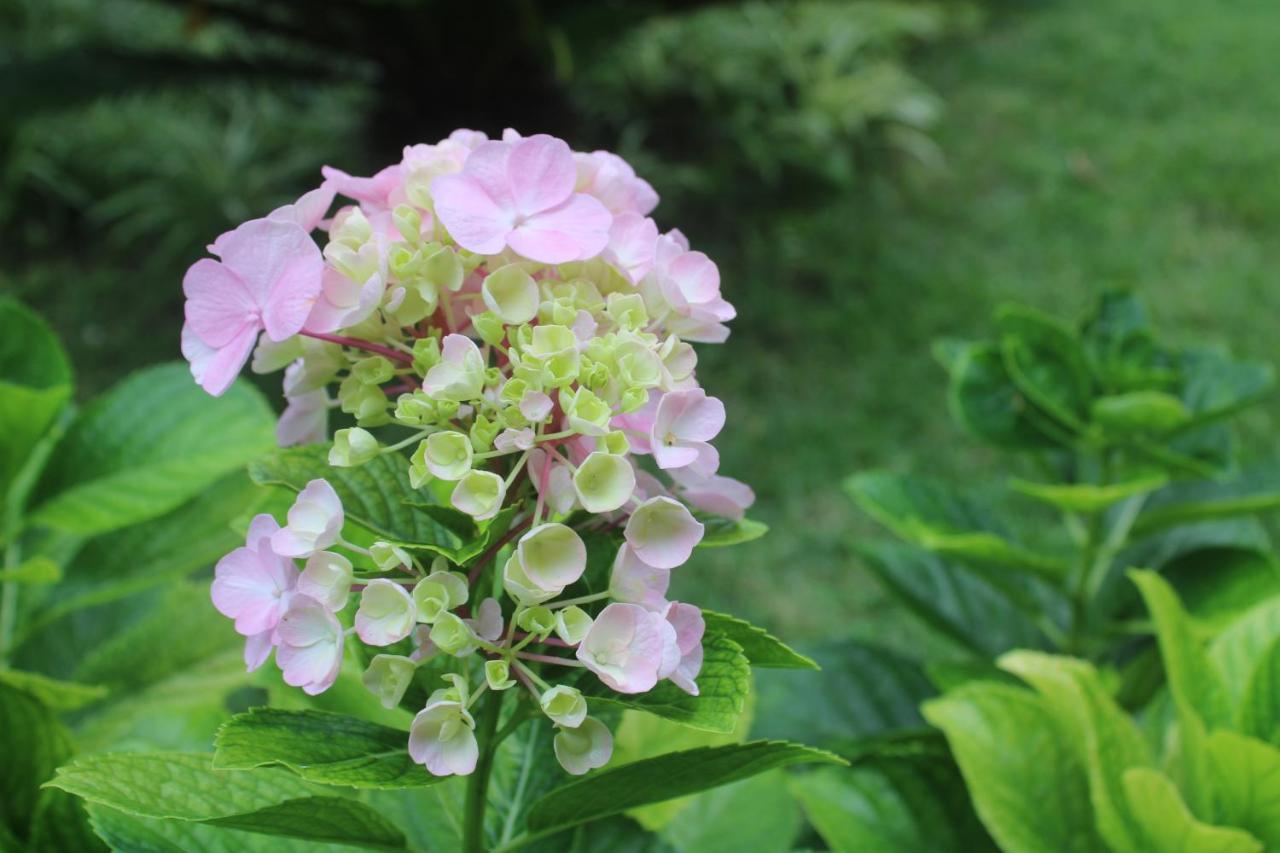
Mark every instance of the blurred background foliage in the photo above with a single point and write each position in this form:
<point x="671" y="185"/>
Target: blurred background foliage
<point x="868" y="175"/>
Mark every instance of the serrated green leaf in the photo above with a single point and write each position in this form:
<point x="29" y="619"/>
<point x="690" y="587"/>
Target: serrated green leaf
<point x="54" y="694"/>
<point x="745" y="815"/>
<point x="61" y="824"/>
<point x="180" y="786"/>
<point x="862" y="692"/>
<point x="612" y="791"/>
<point x="892" y="804"/>
<point x="1259" y="709"/>
<point x="332" y="749"/>
<point x="35" y="387"/>
<point x="1087" y="497"/>
<point x="135" y="834"/>
<point x="967" y="607"/>
<point x="1246" y="774"/>
<point x="37" y="570"/>
<point x="985" y="401"/>
<point x="1028" y="785"/>
<point x="723" y="532"/>
<point x="33" y="743"/>
<point x="1169" y="825"/>
<point x="761" y="648"/>
<point x="376" y="496"/>
<point x="145" y="448"/>
<point x="932" y="517"/>
<point x="1258" y="490"/>
<point x="723" y="684"/>
<point x="1105" y="737"/>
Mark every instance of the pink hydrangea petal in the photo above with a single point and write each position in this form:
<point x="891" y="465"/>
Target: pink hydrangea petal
<point x="632" y="241"/>
<point x="306" y="623"/>
<point x="540" y="173"/>
<point x="261" y="527"/>
<point x="674" y="456"/>
<point x="372" y="191"/>
<point x="470" y="214"/>
<point x="219" y="304"/>
<point x="700" y="418"/>
<point x="576" y="230"/>
<point x="258" y="251"/>
<point x="487" y="166"/>
<point x="216" y="369"/>
<point x="244" y="589"/>
<point x="294" y="294"/>
<point x="696" y="278"/>
<point x="257" y="648"/>
<point x="308" y="210"/>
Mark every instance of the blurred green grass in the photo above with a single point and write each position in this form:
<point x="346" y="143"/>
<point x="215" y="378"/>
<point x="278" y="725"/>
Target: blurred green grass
<point x="1087" y="145"/>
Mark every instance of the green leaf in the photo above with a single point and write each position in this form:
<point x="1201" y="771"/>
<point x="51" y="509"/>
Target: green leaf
<point x="1107" y="741"/>
<point x="373" y="496"/>
<point x="37" y="570"/>
<point x="1259" y="710"/>
<point x="1246" y="774"/>
<point x="1027" y="783"/>
<point x="938" y="520"/>
<point x="178" y="786"/>
<point x="56" y="695"/>
<point x="1199" y="695"/>
<point x="745" y="815"/>
<point x="892" y="804"/>
<point x="612" y="791"/>
<point x="761" y="648"/>
<point x="33" y="743"/>
<point x="331" y="749"/>
<point x="1169" y="825"/>
<point x="862" y="692"/>
<point x="963" y="605"/>
<point x="128" y="832"/>
<point x="1046" y="361"/>
<point x="1121" y="349"/>
<point x="34" y="388"/>
<point x="723" y="532"/>
<point x="1217" y="385"/>
<point x="146" y="447"/>
<point x="986" y="402"/>
<point x="723" y="685"/>
<point x="1086" y="497"/>
<point x="1256" y="491"/>
<point x="1237" y="651"/>
<point x="1139" y="413"/>
<point x="61" y="824"/>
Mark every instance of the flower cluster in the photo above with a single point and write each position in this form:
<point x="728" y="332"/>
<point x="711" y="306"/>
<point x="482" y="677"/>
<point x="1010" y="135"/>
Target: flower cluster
<point x="510" y="309"/>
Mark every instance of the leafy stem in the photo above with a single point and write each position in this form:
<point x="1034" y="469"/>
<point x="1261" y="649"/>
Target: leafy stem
<point x="478" y="782"/>
<point x="8" y="601"/>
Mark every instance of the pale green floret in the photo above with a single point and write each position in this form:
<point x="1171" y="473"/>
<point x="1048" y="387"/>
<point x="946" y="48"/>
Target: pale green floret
<point x="448" y="455"/>
<point x="483" y="431"/>
<point x="519" y="587"/>
<point x="616" y="442"/>
<point x="426" y="354"/>
<point x="479" y="494"/>
<point x="553" y="555"/>
<point x="352" y="230"/>
<point x="368" y="403"/>
<point x="561" y="370"/>
<point x="414" y="300"/>
<point x="444" y="269"/>
<point x="564" y="705"/>
<point x="490" y="327"/>
<point x="452" y="636"/>
<point x="572" y="624"/>
<point x="352" y="447"/>
<point x="389" y="557"/>
<point x="497" y="674"/>
<point x="416" y="409"/>
<point x="511" y="293"/>
<point x="633" y="399"/>
<point x="388" y="677"/>
<point x="408" y="222"/>
<point x="638" y="365"/>
<point x="551" y="340"/>
<point x="627" y="310"/>
<point x="604" y="482"/>
<point x="537" y="620"/>
<point x="586" y="412"/>
<point x="438" y="593"/>
<point x="373" y="370"/>
<point x="419" y="473"/>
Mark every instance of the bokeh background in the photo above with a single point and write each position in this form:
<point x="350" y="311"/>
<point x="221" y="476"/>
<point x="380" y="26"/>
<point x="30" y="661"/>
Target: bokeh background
<point x="868" y="175"/>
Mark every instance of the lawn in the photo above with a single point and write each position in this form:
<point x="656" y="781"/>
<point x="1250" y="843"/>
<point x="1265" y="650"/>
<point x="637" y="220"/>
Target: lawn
<point x="1086" y="145"/>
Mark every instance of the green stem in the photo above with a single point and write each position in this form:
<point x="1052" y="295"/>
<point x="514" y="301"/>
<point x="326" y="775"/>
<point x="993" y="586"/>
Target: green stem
<point x="8" y="603"/>
<point x="478" y="782"/>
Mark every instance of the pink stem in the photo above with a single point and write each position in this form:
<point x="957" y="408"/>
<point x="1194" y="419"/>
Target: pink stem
<point x="394" y="355"/>
<point x="544" y="481"/>
<point x="487" y="556"/>
<point x="547" y="659"/>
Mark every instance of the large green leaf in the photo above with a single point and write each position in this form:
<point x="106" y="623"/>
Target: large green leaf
<point x="723" y="532"/>
<point x="1246" y="774"/>
<point x="760" y="647"/>
<point x="893" y="803"/>
<point x="1118" y="342"/>
<point x="965" y="606"/>
<point x="32" y="743"/>
<point x="1107" y="741"/>
<point x="1258" y="713"/>
<point x="1169" y="826"/>
<point x="1258" y="490"/>
<point x="54" y="694"/>
<point x="937" y="519"/>
<point x="127" y="832"/>
<point x="1150" y="413"/>
<point x="376" y="496"/>
<point x="332" y="749"/>
<point x="35" y="384"/>
<point x="745" y="815"/>
<point x="1087" y="497"/>
<point x="1027" y="782"/>
<point x="862" y="692"/>
<point x="1217" y="385"/>
<point x="612" y="791"/>
<point x="1236" y="651"/>
<point x="723" y="684"/>
<point x="146" y="447"/>
<point x="986" y="402"/>
<point x="178" y="786"/>
<point x="61" y="824"/>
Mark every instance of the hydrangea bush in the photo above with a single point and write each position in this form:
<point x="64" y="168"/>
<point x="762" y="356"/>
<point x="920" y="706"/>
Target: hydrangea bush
<point x="528" y="458"/>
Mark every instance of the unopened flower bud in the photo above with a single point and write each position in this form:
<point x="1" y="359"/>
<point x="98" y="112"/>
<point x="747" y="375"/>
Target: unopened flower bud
<point x="388" y="677"/>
